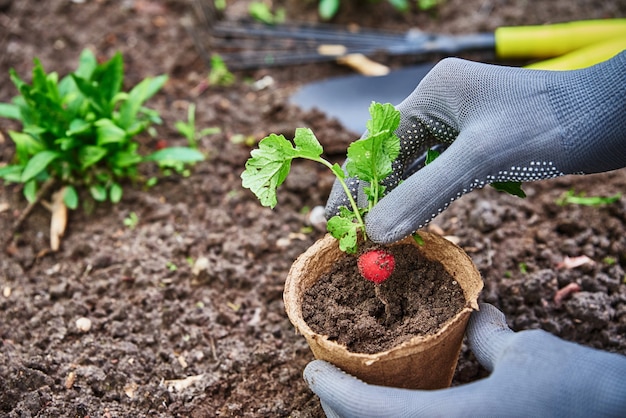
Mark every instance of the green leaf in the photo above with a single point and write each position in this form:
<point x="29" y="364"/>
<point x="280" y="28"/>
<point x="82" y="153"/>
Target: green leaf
<point x="400" y="5"/>
<point x="115" y="193"/>
<point x="269" y="165"/>
<point x="109" y="133"/>
<point x="431" y="155"/>
<point x="185" y="129"/>
<point x="87" y="63"/>
<point x="511" y="187"/>
<point x="90" y="155"/>
<point x="328" y="8"/>
<point x="37" y="164"/>
<point x="98" y="192"/>
<point x="383" y="117"/>
<point x="107" y="78"/>
<point x="92" y="95"/>
<point x="571" y="198"/>
<point x="209" y="131"/>
<point x="126" y="159"/>
<point x="70" y="197"/>
<point x="338" y="171"/>
<point x="10" y="111"/>
<point x="307" y="145"/>
<point x="30" y="191"/>
<point x="79" y="127"/>
<point x="180" y="154"/>
<point x="418" y="239"/>
<point x="11" y="173"/>
<point x="25" y="145"/>
<point x="136" y="97"/>
<point x="344" y="228"/>
<point x="370" y="159"/>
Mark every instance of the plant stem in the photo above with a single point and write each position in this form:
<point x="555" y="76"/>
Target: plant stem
<point x="355" y="207"/>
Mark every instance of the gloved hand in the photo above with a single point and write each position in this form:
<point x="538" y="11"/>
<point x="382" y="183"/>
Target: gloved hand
<point x="499" y="124"/>
<point x="533" y="374"/>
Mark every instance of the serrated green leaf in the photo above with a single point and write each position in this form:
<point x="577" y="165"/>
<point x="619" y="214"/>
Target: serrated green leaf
<point x="370" y="159"/>
<point x="383" y="117"/>
<point x="70" y="197"/>
<point x="307" y="145"/>
<point x="343" y="228"/>
<point x="267" y="168"/>
<point x="38" y="163"/>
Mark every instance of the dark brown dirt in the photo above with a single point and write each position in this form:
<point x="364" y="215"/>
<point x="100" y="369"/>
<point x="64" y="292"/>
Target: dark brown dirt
<point x="167" y="343"/>
<point x="418" y="297"/>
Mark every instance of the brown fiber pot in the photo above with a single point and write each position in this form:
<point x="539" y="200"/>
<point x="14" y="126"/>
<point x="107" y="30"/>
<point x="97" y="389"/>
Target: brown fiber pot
<point x="424" y="362"/>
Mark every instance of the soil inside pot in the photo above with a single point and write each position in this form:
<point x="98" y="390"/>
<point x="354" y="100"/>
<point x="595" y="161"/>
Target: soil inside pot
<point x="420" y="296"/>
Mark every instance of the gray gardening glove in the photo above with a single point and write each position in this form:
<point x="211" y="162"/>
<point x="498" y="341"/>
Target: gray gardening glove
<point x="499" y="124"/>
<point x="533" y="374"/>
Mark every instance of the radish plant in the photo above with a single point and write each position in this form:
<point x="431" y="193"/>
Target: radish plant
<point x="369" y="159"/>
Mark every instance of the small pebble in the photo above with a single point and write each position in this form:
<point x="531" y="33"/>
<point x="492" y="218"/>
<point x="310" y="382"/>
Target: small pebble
<point x="83" y="324"/>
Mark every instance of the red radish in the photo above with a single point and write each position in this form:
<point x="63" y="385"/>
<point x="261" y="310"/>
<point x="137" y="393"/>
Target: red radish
<point x="376" y="265"/>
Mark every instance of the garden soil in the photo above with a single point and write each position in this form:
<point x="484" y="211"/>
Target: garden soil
<point x="416" y="300"/>
<point x="181" y="315"/>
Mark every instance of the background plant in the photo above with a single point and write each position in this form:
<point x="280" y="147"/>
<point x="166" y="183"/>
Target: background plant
<point x="328" y="8"/>
<point x="80" y="131"/>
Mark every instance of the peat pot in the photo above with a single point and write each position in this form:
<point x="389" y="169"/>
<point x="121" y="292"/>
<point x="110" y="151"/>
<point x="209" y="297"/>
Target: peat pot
<point x="423" y="362"/>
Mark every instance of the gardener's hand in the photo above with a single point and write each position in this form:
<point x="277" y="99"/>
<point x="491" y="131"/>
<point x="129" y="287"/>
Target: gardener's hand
<point x="534" y="374"/>
<point x="499" y="124"/>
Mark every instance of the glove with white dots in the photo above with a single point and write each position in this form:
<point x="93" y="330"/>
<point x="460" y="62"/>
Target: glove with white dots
<point x="497" y="124"/>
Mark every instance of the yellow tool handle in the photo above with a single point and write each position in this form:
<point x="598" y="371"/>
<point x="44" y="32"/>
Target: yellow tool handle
<point x="583" y="57"/>
<point x="547" y="41"/>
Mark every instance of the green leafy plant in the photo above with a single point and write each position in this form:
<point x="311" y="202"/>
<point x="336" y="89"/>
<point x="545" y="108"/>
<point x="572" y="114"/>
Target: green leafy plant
<point x="426" y="5"/>
<point x="263" y="13"/>
<point x="79" y="131"/>
<point x="572" y="198"/>
<point x="219" y="75"/>
<point x="188" y="128"/>
<point x="327" y="9"/>
<point x="131" y="221"/>
<point x="369" y="159"/>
